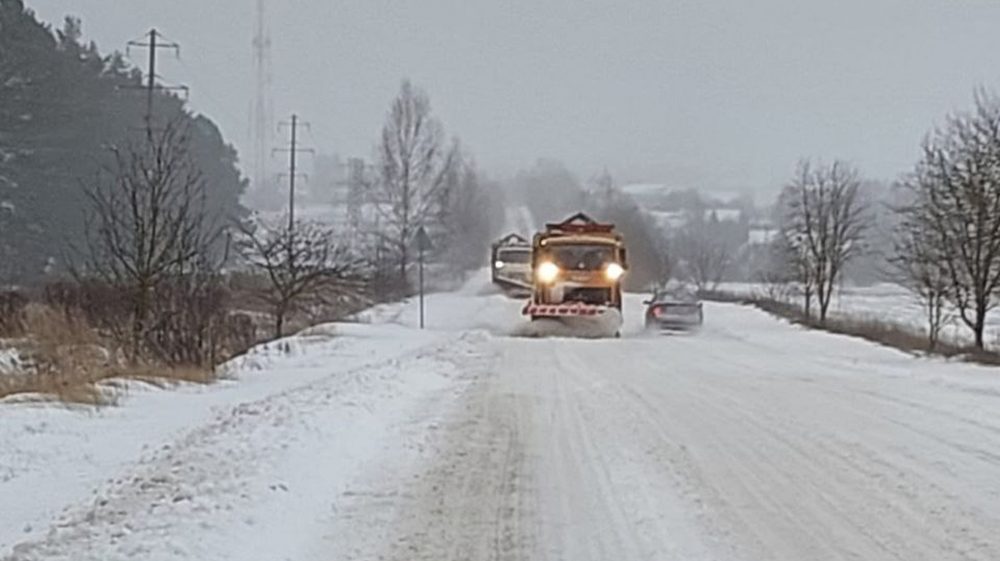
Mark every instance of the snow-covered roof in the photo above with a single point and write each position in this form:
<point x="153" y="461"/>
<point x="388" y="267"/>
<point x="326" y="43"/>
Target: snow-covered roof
<point x="724" y="214"/>
<point x="761" y="236"/>
<point x="669" y="220"/>
<point x="646" y="189"/>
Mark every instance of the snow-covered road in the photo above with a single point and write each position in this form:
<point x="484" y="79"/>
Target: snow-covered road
<point x="751" y="440"/>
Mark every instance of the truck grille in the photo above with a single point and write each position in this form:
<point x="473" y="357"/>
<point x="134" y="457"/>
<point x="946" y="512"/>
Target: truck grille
<point x="588" y="295"/>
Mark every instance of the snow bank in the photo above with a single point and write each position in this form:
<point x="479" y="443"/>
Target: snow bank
<point x="476" y="306"/>
<point x="10" y="361"/>
<point x="61" y="455"/>
<point x="256" y="480"/>
<point x="886" y="302"/>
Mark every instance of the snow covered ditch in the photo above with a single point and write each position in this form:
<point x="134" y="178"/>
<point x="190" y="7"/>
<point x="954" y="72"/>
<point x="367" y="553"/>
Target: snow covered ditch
<point x="887" y="303"/>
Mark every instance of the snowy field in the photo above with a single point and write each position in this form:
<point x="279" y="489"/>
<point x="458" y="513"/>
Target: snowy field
<point x="890" y="303"/>
<point x="749" y="440"/>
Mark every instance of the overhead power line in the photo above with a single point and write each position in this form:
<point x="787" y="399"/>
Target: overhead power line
<point x="154" y="42"/>
<point x="293" y="151"/>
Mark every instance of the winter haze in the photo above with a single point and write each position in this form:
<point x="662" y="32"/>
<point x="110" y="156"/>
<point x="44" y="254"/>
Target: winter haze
<point x="719" y="94"/>
<point x="543" y="280"/>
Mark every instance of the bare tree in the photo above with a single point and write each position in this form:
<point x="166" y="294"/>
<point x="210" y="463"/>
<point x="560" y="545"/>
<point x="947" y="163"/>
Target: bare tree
<point x="414" y="162"/>
<point x="918" y="265"/>
<point x="649" y="257"/>
<point x="603" y="188"/>
<point x="824" y="226"/>
<point x="301" y="268"/>
<point x="794" y="261"/>
<point x="779" y="277"/>
<point x="147" y="223"/>
<point x="549" y="190"/>
<point x="705" y="251"/>
<point x="470" y="217"/>
<point x="12" y="309"/>
<point x="665" y="258"/>
<point x="956" y="188"/>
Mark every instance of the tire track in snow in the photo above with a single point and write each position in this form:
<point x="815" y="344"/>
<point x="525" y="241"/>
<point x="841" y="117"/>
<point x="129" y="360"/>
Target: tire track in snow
<point x="743" y="430"/>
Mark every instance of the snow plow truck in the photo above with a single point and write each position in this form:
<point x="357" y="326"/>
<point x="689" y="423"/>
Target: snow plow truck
<point x="511" y="264"/>
<point x="577" y="268"/>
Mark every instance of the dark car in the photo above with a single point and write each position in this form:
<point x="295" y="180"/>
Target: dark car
<point x="674" y="310"/>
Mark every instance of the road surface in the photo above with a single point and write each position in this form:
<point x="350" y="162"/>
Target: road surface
<point x="751" y="440"/>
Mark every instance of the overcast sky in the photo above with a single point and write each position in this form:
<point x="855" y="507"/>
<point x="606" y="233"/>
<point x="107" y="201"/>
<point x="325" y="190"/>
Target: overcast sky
<point x="723" y="94"/>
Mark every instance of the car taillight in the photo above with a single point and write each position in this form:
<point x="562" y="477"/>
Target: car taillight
<point x="658" y="311"/>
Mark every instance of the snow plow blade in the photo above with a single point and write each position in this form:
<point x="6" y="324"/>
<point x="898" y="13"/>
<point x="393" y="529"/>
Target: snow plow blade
<point x="579" y="321"/>
<point x="572" y="310"/>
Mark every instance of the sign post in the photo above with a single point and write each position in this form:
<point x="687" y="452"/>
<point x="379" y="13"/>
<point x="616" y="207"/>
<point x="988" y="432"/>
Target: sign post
<point x="423" y="245"/>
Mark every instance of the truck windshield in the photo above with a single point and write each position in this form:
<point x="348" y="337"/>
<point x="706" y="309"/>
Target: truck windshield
<point x="579" y="257"/>
<point x="514" y="256"/>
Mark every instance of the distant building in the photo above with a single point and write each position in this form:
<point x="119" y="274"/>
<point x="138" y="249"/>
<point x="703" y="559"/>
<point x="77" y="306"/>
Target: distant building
<point x="762" y="232"/>
<point x="670" y="221"/>
<point x="724" y="214"/>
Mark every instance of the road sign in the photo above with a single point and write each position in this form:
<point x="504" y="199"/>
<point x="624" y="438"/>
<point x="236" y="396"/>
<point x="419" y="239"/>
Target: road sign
<point x="423" y="241"/>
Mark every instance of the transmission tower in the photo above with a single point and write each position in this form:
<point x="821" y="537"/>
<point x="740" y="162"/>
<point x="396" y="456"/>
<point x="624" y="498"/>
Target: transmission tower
<point x="293" y="151"/>
<point x="261" y="129"/>
<point x="153" y="42"/>
<point x="355" y="194"/>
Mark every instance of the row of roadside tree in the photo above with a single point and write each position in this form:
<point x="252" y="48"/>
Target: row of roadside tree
<point x="939" y="224"/>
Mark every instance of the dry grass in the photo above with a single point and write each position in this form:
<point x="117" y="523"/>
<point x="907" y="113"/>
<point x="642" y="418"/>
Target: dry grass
<point x="98" y="389"/>
<point x="70" y="363"/>
<point x="162" y="376"/>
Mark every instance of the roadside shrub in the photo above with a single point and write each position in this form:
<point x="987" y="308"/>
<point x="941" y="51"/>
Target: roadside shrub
<point x="105" y="308"/>
<point x="65" y="358"/>
<point x="12" y="307"/>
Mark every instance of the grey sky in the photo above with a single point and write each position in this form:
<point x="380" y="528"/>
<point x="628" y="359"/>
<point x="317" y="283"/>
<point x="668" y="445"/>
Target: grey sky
<point x="723" y="94"/>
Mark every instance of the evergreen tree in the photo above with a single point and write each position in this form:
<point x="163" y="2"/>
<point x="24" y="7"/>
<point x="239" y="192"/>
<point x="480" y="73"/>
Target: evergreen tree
<point x="63" y="107"/>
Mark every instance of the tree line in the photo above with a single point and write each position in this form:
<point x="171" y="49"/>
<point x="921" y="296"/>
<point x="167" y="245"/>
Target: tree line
<point x="64" y="109"/>
<point x="130" y="222"/>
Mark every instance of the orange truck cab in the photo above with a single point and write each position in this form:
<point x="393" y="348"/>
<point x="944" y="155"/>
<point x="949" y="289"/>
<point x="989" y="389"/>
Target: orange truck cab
<point x="577" y="269"/>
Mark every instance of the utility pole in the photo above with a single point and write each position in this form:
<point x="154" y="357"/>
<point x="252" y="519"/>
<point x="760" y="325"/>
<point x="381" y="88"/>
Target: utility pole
<point x="261" y="127"/>
<point x="153" y="41"/>
<point x="293" y="151"/>
<point x="291" y="172"/>
<point x="423" y="245"/>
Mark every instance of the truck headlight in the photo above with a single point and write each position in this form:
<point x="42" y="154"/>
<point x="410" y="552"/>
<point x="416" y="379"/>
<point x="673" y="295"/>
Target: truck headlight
<point x="614" y="271"/>
<point x="499" y="264"/>
<point x="547" y="272"/>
